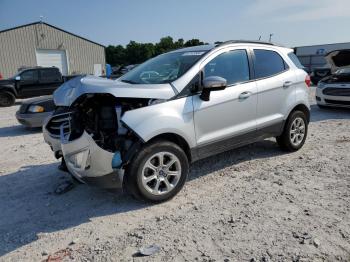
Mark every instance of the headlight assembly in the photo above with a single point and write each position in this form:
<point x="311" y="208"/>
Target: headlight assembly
<point x="36" y="109"/>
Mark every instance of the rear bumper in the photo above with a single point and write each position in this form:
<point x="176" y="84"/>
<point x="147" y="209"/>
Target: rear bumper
<point x="32" y="120"/>
<point x="91" y="164"/>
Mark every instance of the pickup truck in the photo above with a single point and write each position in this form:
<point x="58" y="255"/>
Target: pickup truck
<point x="31" y="82"/>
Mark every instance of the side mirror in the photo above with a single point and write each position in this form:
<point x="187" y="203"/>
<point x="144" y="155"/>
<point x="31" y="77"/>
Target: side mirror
<point x="212" y="83"/>
<point x="17" y="78"/>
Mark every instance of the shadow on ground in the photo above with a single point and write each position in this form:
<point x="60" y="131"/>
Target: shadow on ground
<point x="321" y="114"/>
<point x="18" y="130"/>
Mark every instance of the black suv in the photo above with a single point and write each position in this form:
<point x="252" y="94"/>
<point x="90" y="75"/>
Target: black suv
<point x="30" y="82"/>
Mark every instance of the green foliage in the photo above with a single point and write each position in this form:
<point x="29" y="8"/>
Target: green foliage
<point x="136" y="53"/>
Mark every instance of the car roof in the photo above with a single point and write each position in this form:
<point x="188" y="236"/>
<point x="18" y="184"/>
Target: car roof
<point x="210" y="47"/>
<point x="37" y="67"/>
<point x="197" y="48"/>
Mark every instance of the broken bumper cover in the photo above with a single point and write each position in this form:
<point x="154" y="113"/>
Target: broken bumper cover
<point x="53" y="142"/>
<point x="89" y="163"/>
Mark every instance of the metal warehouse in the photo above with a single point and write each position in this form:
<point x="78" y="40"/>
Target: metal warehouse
<point x="313" y="56"/>
<point x="41" y="44"/>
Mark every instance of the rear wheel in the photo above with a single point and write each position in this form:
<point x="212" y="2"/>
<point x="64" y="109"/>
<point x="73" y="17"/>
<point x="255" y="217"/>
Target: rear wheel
<point x="158" y="172"/>
<point x="7" y="99"/>
<point x="294" y="133"/>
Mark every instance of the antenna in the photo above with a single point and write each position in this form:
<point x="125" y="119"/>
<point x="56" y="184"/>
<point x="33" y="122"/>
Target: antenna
<point x="270" y="38"/>
<point x="259" y="38"/>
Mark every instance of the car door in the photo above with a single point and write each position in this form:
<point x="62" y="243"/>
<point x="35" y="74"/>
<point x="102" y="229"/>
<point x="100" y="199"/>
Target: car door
<point x="27" y="86"/>
<point x="276" y="90"/>
<point x="229" y="117"/>
<point x="49" y="80"/>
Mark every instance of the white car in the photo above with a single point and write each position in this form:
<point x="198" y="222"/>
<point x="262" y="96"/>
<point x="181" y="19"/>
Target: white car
<point x="143" y="133"/>
<point x="334" y="90"/>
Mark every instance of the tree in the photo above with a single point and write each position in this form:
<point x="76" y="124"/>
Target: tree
<point x="193" y="42"/>
<point x="136" y="53"/>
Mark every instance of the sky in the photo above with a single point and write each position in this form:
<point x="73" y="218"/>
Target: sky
<point x="112" y="22"/>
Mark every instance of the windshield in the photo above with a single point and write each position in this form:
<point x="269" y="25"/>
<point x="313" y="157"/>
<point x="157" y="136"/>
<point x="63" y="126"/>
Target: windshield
<point x="163" y="68"/>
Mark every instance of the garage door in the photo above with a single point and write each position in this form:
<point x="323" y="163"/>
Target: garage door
<point x="50" y="58"/>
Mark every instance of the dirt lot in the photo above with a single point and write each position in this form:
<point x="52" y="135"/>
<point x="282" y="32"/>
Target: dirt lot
<point x="252" y="204"/>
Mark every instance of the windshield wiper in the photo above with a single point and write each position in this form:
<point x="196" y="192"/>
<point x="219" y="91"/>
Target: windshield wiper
<point x="128" y="81"/>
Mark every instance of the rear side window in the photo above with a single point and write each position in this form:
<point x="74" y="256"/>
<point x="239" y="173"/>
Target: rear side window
<point x="49" y="75"/>
<point x="232" y="65"/>
<point x="30" y="75"/>
<point x="295" y="60"/>
<point x="268" y="63"/>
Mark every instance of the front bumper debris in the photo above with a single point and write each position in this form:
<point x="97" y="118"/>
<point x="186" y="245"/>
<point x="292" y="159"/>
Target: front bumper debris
<point x="53" y="142"/>
<point x="90" y="163"/>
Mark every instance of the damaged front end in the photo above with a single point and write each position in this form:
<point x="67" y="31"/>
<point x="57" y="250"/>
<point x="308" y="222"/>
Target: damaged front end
<point x="94" y="142"/>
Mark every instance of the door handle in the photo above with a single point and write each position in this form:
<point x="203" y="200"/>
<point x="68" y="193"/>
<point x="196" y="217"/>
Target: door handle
<point x="244" y="95"/>
<point x="287" y="84"/>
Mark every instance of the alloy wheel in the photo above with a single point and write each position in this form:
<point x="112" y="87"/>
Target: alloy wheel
<point x="297" y="131"/>
<point x="161" y="173"/>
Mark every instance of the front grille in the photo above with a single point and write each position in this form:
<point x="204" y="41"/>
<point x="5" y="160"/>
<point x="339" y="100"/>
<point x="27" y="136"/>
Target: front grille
<point x="55" y="123"/>
<point x="334" y="91"/>
<point x="338" y="102"/>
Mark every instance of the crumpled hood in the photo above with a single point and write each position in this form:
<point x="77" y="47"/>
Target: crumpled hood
<point x="68" y="92"/>
<point x="338" y="59"/>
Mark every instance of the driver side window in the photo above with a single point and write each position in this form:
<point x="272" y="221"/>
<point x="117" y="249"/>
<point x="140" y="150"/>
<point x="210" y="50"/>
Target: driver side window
<point x="30" y="75"/>
<point x="232" y="65"/>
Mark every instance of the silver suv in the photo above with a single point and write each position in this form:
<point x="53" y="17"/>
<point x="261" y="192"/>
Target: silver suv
<point x="142" y="130"/>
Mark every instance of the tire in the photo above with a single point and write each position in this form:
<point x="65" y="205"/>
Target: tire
<point x="298" y="124"/>
<point x="147" y="165"/>
<point x="7" y="99"/>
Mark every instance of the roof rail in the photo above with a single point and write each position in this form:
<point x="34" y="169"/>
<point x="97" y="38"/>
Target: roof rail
<point x="243" y="41"/>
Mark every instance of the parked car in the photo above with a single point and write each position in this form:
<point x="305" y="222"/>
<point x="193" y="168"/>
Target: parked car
<point x="34" y="111"/>
<point x="30" y="82"/>
<point x="123" y="70"/>
<point x="143" y="134"/>
<point x="318" y="73"/>
<point x="334" y="90"/>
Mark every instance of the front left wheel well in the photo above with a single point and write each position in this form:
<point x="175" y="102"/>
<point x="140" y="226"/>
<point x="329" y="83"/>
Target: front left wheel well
<point x="177" y="139"/>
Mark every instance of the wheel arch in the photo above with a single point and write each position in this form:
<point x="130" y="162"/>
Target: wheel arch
<point x="176" y="139"/>
<point x="303" y="108"/>
<point x="9" y="90"/>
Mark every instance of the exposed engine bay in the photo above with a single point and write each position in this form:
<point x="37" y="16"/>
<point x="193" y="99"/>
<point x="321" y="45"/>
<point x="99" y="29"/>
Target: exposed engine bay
<point x="99" y="115"/>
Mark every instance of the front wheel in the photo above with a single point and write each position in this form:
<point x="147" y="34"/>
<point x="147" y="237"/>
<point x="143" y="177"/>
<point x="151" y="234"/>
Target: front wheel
<point x="7" y="99"/>
<point x="294" y="133"/>
<point x="158" y="172"/>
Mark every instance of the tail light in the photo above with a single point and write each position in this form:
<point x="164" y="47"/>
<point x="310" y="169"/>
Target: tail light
<point x="308" y="81"/>
<point x="0" y="76"/>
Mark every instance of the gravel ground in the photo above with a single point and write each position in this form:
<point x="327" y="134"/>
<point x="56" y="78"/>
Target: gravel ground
<point x="251" y="204"/>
